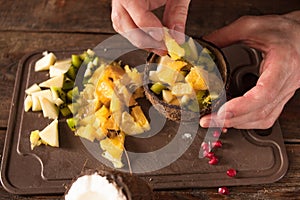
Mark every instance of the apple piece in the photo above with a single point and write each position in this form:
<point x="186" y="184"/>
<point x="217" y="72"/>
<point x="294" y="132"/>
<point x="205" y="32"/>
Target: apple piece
<point x="36" y="106"/>
<point x="49" y="135"/>
<point x="35" y="139"/>
<point x="32" y="89"/>
<point x="27" y="103"/>
<point x="45" y="62"/>
<point x="167" y="96"/>
<point x="59" y="68"/>
<point x="49" y="109"/>
<point x="56" y="81"/>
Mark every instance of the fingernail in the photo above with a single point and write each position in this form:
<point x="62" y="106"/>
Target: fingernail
<point x="204" y="123"/>
<point x="156" y="34"/>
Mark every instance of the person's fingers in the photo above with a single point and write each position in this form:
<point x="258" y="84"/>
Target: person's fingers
<point x="120" y="18"/>
<point x="142" y="16"/>
<point x="268" y="121"/>
<point x="241" y="30"/>
<point x="175" y="16"/>
<point x="295" y="15"/>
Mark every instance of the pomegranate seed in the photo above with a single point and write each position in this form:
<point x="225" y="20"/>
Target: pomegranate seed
<point x="210" y="155"/>
<point x="223" y="190"/>
<point x="216" y="134"/>
<point x="231" y="172"/>
<point x="217" y="144"/>
<point x="213" y="161"/>
<point x="204" y="146"/>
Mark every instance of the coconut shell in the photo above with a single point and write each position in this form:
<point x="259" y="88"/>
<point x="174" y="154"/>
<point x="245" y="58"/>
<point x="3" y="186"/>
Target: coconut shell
<point x="133" y="187"/>
<point x="174" y="112"/>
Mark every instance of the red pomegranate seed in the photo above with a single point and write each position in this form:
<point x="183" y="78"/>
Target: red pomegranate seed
<point x="217" y="144"/>
<point x="231" y="172"/>
<point x="210" y="155"/>
<point x="223" y="190"/>
<point x="204" y="146"/>
<point x="213" y="161"/>
<point x="216" y="134"/>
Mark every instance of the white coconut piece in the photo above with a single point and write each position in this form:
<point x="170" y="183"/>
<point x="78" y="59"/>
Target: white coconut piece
<point x="94" y="187"/>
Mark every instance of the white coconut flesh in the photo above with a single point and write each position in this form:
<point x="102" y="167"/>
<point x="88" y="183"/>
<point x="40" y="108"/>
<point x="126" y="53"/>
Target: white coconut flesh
<point x="94" y="187"/>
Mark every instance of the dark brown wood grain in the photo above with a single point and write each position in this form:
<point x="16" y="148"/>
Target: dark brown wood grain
<point x="37" y="25"/>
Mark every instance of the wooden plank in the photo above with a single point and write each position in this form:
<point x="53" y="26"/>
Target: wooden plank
<point x="94" y="16"/>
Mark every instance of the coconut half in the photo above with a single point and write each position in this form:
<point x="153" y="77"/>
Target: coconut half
<point x="95" y="187"/>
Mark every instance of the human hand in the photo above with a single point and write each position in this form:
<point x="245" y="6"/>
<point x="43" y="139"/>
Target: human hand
<point x="278" y="38"/>
<point x="135" y="21"/>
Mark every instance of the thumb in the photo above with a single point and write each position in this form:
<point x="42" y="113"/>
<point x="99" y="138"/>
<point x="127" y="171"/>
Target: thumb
<point x="240" y="30"/>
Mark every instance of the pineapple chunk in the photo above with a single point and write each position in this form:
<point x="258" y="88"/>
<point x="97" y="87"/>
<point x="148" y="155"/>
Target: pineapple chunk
<point x="174" y="50"/>
<point x="195" y="79"/>
<point x="87" y="132"/>
<point x="35" y="139"/>
<point x="129" y="126"/>
<point x="167" y="96"/>
<point x="140" y="118"/>
<point x="113" y="149"/>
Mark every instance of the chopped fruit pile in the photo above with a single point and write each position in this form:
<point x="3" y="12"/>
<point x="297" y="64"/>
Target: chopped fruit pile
<point x="181" y="77"/>
<point x="108" y="109"/>
<point x="105" y="110"/>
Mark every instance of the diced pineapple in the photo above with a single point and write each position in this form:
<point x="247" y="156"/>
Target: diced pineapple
<point x="167" y="96"/>
<point x="129" y="126"/>
<point x="103" y="112"/>
<point x="113" y="149"/>
<point x="116" y="104"/>
<point x="35" y="139"/>
<point x="140" y="118"/>
<point x="166" y="74"/>
<point x="196" y="79"/>
<point x="87" y="132"/>
<point x="104" y="91"/>
<point x="174" y="50"/>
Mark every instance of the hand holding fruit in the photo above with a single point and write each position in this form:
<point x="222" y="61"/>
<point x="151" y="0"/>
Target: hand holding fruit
<point x="129" y="15"/>
<point x="277" y="37"/>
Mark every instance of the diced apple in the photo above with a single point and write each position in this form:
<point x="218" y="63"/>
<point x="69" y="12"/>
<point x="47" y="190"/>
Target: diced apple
<point x="45" y="62"/>
<point x="167" y="74"/>
<point x="36" y="106"/>
<point x="27" y="103"/>
<point x="49" y="135"/>
<point x="56" y="81"/>
<point x="174" y="50"/>
<point x="59" y="68"/>
<point x="167" y="96"/>
<point x="49" y="109"/>
<point x="32" y="89"/>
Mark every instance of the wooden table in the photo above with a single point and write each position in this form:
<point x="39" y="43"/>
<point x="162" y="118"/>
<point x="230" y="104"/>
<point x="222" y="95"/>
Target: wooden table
<point x="36" y="25"/>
